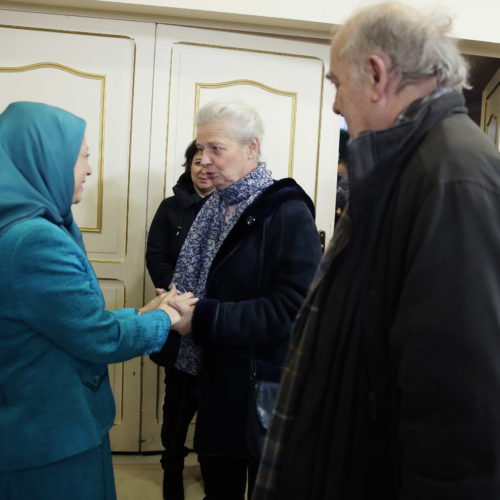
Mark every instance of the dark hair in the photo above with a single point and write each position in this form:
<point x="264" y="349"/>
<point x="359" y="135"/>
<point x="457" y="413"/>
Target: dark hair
<point x="189" y="155"/>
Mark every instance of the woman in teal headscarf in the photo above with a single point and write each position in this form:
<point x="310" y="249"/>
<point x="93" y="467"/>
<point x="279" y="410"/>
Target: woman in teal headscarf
<point x="56" y="405"/>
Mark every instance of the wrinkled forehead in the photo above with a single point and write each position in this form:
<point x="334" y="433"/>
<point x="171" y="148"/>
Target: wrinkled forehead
<point x="224" y="128"/>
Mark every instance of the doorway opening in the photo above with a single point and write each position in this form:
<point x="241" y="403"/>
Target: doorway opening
<point x="482" y="69"/>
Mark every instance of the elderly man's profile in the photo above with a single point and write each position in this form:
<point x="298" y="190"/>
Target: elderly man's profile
<point x="391" y="386"/>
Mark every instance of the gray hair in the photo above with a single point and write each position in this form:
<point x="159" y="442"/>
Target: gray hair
<point x="242" y="121"/>
<point x="418" y="45"/>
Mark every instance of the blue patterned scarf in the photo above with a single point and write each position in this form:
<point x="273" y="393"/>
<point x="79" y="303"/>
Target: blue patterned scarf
<point x="208" y="232"/>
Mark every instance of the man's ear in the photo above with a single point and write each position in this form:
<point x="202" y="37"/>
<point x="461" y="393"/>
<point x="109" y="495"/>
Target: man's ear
<point x="377" y="68"/>
<point x="253" y="148"/>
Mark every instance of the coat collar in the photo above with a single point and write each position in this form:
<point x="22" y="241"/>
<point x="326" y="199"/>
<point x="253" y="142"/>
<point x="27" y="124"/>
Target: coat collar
<point x="263" y="207"/>
<point x="184" y="191"/>
<point x="377" y="156"/>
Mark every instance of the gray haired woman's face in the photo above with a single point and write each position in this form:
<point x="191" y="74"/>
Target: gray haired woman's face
<point x="226" y="160"/>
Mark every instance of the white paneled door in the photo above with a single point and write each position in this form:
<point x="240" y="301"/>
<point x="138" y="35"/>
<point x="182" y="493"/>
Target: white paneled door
<point x="102" y="71"/>
<point x="285" y="81"/>
<point x="138" y="85"/>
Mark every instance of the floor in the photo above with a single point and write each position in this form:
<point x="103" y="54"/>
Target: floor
<point x="139" y="477"/>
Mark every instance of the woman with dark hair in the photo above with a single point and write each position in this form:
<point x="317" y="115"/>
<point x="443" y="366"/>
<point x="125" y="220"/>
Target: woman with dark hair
<point x="174" y="217"/>
<point x="168" y="231"/>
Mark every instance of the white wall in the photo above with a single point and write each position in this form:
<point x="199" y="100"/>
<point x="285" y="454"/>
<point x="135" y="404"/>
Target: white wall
<point x="474" y="20"/>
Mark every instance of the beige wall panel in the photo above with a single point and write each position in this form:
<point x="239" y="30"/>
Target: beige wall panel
<point x="113" y="292"/>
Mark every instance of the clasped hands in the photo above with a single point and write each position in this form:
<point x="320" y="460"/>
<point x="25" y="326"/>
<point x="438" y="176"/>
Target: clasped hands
<point x="179" y="308"/>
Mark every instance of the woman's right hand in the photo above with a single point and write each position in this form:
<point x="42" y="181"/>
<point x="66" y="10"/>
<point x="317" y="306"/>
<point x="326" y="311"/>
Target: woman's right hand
<point x="164" y="301"/>
<point x="185" y="309"/>
<point x="179" y="308"/>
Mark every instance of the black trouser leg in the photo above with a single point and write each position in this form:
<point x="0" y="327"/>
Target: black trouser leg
<point x="253" y="467"/>
<point x="178" y="410"/>
<point x="225" y="478"/>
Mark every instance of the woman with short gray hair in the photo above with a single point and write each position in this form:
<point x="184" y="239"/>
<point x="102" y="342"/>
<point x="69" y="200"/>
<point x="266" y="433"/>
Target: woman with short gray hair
<point x="250" y="256"/>
<point x="243" y="120"/>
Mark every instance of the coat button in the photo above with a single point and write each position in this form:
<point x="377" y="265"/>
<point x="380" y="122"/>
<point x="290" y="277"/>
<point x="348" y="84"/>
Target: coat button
<point x="250" y="220"/>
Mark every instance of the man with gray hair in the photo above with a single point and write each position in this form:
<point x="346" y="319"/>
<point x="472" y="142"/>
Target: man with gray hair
<point x="391" y="388"/>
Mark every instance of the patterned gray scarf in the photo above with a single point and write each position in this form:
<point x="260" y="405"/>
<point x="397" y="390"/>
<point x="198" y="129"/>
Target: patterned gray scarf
<point x="208" y="232"/>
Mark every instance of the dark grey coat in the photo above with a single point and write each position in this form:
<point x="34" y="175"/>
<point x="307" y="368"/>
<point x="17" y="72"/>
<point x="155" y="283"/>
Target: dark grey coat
<point x="401" y="399"/>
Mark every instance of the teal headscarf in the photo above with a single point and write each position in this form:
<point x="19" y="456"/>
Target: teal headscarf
<point x="39" y="146"/>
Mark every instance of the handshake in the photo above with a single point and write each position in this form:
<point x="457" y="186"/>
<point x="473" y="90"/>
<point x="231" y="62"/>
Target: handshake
<point x="179" y="308"/>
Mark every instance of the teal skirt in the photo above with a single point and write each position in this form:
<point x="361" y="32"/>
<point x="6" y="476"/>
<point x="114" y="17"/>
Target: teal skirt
<point x="87" y="476"/>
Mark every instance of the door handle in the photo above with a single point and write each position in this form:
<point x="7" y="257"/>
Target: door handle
<point x="322" y="240"/>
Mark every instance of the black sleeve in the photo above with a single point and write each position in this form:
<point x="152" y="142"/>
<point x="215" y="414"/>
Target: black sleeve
<point x="292" y="254"/>
<point x="160" y="260"/>
<point x="446" y="339"/>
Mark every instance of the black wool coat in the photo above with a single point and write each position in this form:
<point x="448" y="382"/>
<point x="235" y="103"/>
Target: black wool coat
<point x="255" y="287"/>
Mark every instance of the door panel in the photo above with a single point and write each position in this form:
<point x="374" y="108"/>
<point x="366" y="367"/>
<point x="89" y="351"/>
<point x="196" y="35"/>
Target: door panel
<point x="284" y="80"/>
<point x="113" y="292"/>
<point x="289" y="107"/>
<point x="87" y="83"/>
<point x="102" y="71"/>
<point x="490" y="116"/>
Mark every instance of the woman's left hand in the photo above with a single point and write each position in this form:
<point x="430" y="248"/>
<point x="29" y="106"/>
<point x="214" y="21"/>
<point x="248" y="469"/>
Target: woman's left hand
<point x="185" y="308"/>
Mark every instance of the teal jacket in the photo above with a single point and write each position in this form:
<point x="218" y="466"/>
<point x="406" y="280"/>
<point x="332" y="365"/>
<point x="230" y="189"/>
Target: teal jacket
<point x="55" y="342"/>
